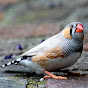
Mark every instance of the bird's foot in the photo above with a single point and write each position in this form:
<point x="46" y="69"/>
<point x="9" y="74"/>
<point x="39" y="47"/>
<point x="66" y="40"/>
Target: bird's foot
<point x="50" y="75"/>
<point x="46" y="76"/>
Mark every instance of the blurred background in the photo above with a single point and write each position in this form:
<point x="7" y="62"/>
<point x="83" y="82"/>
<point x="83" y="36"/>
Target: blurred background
<point x="25" y="18"/>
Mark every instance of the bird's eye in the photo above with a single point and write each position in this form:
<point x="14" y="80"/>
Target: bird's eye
<point x="71" y="26"/>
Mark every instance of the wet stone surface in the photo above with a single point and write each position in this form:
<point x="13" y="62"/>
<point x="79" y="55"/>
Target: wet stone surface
<point x="12" y="82"/>
<point x="71" y="82"/>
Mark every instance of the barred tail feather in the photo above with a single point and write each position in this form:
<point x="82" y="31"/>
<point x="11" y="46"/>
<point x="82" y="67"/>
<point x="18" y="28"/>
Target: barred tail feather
<point x="16" y="61"/>
<point x="12" y="62"/>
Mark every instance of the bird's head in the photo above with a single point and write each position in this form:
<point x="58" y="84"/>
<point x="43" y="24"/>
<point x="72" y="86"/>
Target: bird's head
<point x="73" y="30"/>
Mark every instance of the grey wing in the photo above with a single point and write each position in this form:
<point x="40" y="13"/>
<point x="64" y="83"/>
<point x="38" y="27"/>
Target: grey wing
<point x="39" y="49"/>
<point x="34" y="51"/>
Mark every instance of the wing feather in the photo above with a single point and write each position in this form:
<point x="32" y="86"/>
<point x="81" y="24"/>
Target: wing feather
<point x="41" y="48"/>
<point x="34" y="51"/>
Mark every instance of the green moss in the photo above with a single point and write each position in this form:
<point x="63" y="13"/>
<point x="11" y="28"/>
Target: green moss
<point x="35" y="82"/>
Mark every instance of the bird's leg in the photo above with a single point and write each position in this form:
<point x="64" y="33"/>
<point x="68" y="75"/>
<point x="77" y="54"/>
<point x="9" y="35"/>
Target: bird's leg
<point x="50" y="75"/>
<point x="73" y="73"/>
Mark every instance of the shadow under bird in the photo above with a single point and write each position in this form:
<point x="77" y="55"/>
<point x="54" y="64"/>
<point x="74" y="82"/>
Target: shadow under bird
<point x="57" y="52"/>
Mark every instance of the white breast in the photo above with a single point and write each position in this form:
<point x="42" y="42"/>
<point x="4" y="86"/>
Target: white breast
<point x="59" y="63"/>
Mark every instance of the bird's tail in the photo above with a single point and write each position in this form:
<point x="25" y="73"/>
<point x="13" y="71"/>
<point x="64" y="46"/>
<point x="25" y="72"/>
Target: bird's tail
<point x="14" y="62"/>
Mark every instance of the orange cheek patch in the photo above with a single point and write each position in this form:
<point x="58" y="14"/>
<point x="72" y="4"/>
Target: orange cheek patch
<point x="66" y="33"/>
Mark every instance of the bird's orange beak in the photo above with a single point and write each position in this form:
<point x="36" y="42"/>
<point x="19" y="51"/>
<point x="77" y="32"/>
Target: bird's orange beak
<point x="79" y="28"/>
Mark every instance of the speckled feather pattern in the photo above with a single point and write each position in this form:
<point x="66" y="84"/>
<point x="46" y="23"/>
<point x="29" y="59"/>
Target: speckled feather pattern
<point x="49" y="54"/>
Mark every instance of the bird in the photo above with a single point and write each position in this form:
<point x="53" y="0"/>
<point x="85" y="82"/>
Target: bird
<point x="57" y="52"/>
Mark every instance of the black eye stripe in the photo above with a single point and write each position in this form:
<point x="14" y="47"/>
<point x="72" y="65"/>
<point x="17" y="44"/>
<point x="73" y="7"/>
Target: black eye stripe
<point x="71" y="31"/>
